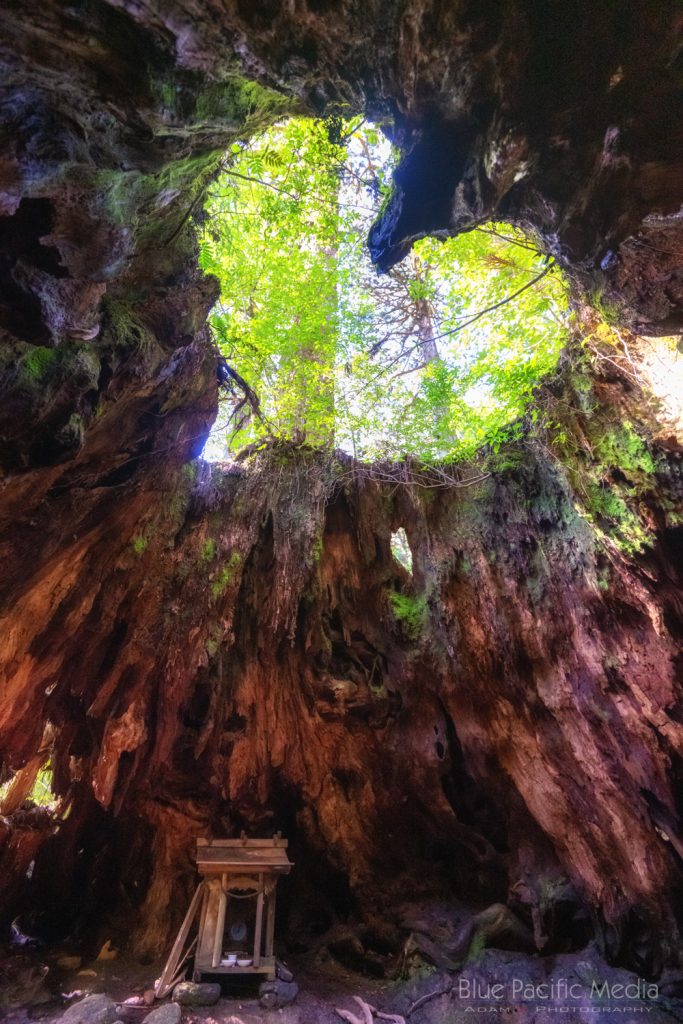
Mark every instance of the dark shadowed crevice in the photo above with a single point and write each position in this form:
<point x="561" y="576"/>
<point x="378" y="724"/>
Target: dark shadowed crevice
<point x="22" y="254"/>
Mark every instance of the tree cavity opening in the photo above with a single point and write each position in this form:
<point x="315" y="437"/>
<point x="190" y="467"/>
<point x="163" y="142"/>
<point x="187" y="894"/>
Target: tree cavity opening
<point x="31" y="786"/>
<point x="430" y="362"/>
<point x="401" y="550"/>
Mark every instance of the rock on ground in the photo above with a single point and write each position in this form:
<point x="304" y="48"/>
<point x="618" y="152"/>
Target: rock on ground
<point x="283" y="972"/>
<point x="168" y="1013"/>
<point x="275" y="994"/>
<point x="194" y="993"/>
<point x="94" y="1009"/>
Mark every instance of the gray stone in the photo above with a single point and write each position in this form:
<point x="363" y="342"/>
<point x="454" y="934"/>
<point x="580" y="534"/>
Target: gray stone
<point x="169" y="1013"/>
<point x="275" y="994"/>
<point x="94" y="1009"/>
<point x="283" y="972"/>
<point x="196" y="993"/>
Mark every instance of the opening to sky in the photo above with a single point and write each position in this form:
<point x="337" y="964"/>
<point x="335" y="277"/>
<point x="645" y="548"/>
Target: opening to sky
<point x="432" y="360"/>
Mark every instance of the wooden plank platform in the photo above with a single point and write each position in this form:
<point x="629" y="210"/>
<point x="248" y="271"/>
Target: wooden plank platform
<point x="267" y="967"/>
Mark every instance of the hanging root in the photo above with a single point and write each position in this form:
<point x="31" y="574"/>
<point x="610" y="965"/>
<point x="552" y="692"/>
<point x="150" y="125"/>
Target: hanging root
<point x="367" y="1013"/>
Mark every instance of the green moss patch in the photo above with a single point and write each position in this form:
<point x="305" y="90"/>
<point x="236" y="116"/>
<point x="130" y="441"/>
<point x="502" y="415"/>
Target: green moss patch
<point x="139" y="543"/>
<point x="622" y="448"/>
<point x="208" y="552"/>
<point x="227" y="575"/>
<point x="410" y="613"/>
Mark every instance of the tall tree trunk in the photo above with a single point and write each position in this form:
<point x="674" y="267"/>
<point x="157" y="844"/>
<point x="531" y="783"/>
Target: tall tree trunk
<point x="311" y="376"/>
<point x="424" y="314"/>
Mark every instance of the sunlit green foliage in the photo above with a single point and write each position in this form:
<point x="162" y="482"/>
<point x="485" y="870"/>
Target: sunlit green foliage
<point x="41" y="794"/>
<point x="271" y="240"/>
<point x="323" y="350"/>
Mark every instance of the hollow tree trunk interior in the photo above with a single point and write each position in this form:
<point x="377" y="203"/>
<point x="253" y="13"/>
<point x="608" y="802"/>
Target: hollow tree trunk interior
<point x="206" y="649"/>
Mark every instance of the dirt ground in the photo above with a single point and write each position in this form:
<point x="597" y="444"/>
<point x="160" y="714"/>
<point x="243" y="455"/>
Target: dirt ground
<point x="35" y="989"/>
<point x="28" y="996"/>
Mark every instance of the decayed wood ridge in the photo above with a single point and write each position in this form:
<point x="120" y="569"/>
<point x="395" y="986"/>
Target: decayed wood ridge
<point x="240" y="666"/>
<point x="215" y="649"/>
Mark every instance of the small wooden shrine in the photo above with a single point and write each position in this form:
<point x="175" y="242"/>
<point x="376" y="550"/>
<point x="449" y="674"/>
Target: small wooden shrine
<point x="235" y="900"/>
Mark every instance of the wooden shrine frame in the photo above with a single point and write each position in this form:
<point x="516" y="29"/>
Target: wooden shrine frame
<point x="231" y="869"/>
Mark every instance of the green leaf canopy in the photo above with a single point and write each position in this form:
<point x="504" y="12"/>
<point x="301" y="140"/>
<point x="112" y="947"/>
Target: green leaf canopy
<point x="432" y="361"/>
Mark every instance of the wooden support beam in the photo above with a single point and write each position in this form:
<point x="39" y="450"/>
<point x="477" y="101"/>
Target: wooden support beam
<point x="168" y="975"/>
<point x="203" y="913"/>
<point x="220" y="923"/>
<point x="204" y="955"/>
<point x="259" y="923"/>
<point x="270" y="923"/>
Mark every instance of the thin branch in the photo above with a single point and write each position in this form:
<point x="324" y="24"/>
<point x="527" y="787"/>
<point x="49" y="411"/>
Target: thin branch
<point x="497" y="305"/>
<point x="455" y="330"/>
<point x="353" y="130"/>
<point x="260" y="181"/>
<point x="470" y="318"/>
<point x="512" y="241"/>
<point x="186" y="216"/>
<point x="411" y="369"/>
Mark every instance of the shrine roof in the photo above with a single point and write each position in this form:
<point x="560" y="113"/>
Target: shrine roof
<point x="250" y="855"/>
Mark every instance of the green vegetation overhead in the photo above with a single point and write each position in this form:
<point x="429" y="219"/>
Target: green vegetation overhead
<point x="432" y="360"/>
